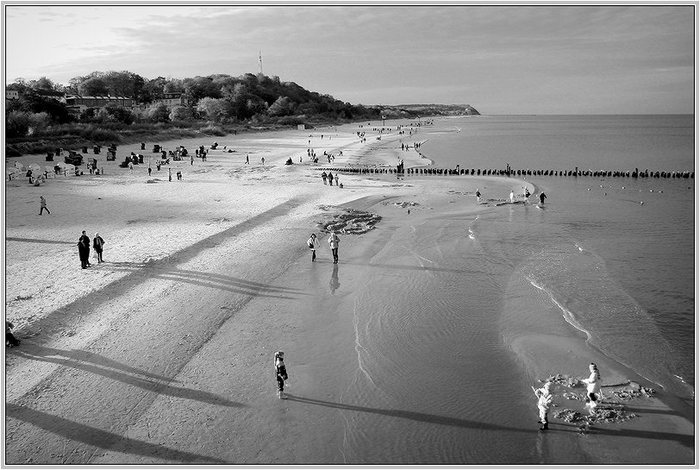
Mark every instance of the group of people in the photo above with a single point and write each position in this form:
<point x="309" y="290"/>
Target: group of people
<point x="545" y="397"/>
<point x="84" y="249"/>
<point x="333" y="242"/>
<point x="328" y="177"/>
<point x="280" y="369"/>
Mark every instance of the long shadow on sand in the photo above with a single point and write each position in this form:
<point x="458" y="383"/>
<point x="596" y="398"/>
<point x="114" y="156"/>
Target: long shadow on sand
<point x="162" y="270"/>
<point x="412" y="415"/>
<point x="37" y="240"/>
<point x="137" y="273"/>
<point x="685" y="440"/>
<point x="98" y="438"/>
<point x="155" y="386"/>
<point x="37" y="352"/>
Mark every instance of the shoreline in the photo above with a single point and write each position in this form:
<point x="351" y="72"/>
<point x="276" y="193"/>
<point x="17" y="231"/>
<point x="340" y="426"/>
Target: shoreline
<point x="119" y="313"/>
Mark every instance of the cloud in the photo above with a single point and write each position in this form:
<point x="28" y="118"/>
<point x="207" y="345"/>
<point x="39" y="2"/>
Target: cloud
<point x="393" y="53"/>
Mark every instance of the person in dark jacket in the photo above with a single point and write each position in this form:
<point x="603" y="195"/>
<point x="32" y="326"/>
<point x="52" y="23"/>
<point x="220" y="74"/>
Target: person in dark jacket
<point x="10" y="339"/>
<point x="98" y="244"/>
<point x="280" y="373"/>
<point x="312" y="242"/>
<point x="84" y="250"/>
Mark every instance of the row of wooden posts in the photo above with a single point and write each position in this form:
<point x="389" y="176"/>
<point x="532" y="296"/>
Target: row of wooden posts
<point x="636" y="173"/>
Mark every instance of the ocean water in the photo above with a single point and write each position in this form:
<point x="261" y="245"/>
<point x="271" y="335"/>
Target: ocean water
<point x="431" y="379"/>
<point x="620" y="271"/>
<point x="435" y="381"/>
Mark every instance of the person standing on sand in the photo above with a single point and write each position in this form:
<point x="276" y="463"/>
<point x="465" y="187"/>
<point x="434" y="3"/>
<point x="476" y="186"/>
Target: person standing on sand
<point x="170" y="174"/>
<point x="247" y="161"/>
<point x="324" y="176"/>
<point x="84" y="250"/>
<point x="336" y="179"/>
<point x="544" y="401"/>
<point x="42" y="202"/>
<point x="512" y="197"/>
<point x="280" y="374"/>
<point x="478" y="195"/>
<point x="592" y="386"/>
<point x="312" y="245"/>
<point x="262" y="160"/>
<point x="98" y="245"/>
<point x="334" y="241"/>
<point x="330" y="178"/>
<point x="543" y="196"/>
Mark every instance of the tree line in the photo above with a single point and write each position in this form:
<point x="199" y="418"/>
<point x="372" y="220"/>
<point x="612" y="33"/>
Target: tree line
<point x="219" y="99"/>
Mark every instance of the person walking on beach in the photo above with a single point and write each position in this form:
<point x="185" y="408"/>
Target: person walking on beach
<point x="544" y="401"/>
<point x="543" y="196"/>
<point x="98" y="244"/>
<point x="592" y="386"/>
<point x="334" y="241"/>
<point x="247" y="161"/>
<point x="42" y="202"/>
<point x="262" y="160"/>
<point x="324" y="176"/>
<point x="312" y="245"/>
<point x="280" y="374"/>
<point x="512" y="197"/>
<point x="478" y="195"/>
<point x="330" y="178"/>
<point x="84" y="250"/>
<point x="336" y="179"/>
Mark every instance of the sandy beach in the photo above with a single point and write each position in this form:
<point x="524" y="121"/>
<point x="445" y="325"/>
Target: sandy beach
<point x="163" y="353"/>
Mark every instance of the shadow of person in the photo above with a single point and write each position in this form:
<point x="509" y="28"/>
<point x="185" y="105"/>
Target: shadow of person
<point x="411" y="415"/>
<point x="335" y="282"/>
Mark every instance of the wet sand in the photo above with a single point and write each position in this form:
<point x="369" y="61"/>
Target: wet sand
<point x="164" y="353"/>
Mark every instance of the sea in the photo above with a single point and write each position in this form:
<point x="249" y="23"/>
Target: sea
<point x="612" y="259"/>
<point x="615" y="254"/>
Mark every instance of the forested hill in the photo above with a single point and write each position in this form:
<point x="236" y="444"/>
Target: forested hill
<point x="40" y="109"/>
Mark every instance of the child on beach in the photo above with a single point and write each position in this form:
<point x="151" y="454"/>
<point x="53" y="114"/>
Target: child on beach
<point x="544" y="401"/>
<point x="280" y="373"/>
<point x="592" y="387"/>
<point x="312" y="244"/>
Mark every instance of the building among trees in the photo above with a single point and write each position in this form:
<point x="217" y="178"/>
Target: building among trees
<point x="77" y="103"/>
<point x="172" y="100"/>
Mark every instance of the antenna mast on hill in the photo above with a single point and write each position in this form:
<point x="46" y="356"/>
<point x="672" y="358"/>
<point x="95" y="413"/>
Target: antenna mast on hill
<point x="260" y="61"/>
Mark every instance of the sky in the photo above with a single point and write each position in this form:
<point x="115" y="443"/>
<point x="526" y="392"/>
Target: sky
<point x="501" y="59"/>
